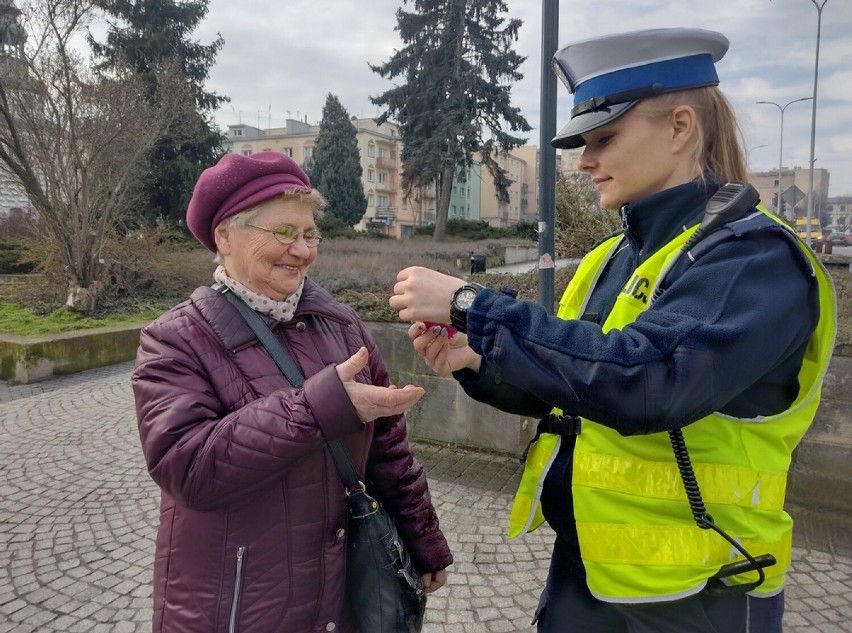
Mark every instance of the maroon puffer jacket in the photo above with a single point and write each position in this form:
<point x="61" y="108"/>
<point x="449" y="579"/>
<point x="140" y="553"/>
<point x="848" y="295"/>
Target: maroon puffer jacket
<point x="253" y="515"/>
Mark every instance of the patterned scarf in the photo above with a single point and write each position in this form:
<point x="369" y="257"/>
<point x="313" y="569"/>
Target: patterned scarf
<point x="280" y="310"/>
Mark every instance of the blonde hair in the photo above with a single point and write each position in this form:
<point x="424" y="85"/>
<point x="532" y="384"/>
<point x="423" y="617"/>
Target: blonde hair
<point x="312" y="198"/>
<point x="718" y="147"/>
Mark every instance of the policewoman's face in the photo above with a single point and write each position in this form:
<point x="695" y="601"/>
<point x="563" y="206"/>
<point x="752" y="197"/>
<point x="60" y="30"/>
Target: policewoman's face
<point x="636" y="156"/>
<point x="258" y="260"/>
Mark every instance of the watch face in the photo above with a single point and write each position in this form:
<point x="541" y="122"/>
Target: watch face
<point x="464" y="298"/>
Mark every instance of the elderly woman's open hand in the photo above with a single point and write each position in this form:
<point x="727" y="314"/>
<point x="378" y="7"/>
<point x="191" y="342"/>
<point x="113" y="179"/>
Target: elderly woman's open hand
<point x="371" y="401"/>
<point x="421" y="294"/>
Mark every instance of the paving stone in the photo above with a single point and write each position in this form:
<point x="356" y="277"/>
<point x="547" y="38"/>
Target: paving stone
<point x="78" y="517"/>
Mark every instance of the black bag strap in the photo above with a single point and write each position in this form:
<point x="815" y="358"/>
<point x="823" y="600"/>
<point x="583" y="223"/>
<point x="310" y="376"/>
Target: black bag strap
<point x="338" y="450"/>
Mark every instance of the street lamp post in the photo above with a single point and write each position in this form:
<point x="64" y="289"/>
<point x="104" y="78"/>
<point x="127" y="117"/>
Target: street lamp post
<point x="751" y="149"/>
<point x="819" y="8"/>
<point x="781" y="146"/>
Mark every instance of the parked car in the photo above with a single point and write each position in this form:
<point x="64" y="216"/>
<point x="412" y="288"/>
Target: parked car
<point x="840" y="239"/>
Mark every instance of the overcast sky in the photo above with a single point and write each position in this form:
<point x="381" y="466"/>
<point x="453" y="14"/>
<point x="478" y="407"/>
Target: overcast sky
<point x="281" y="59"/>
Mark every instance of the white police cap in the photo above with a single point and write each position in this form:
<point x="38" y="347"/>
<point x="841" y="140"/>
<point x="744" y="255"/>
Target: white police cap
<point x="609" y="75"/>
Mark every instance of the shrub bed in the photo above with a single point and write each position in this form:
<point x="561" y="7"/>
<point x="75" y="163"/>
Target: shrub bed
<point x="151" y="276"/>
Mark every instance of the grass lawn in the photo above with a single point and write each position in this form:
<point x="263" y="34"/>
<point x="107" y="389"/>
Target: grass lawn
<point x="20" y="321"/>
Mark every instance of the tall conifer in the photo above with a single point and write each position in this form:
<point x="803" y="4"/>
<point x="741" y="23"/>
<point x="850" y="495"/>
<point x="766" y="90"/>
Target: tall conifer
<point x="336" y="166"/>
<point x="145" y="35"/>
<point x="457" y="68"/>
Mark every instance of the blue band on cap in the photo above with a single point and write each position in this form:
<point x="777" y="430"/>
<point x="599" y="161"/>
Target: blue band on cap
<point x="673" y="74"/>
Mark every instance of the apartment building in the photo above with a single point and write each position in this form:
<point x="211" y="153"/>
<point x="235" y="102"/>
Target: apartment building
<point x="381" y="170"/>
<point x="838" y="212"/>
<point x="12" y="195"/>
<point x="794" y="191"/>
<point x="474" y="196"/>
<point x="493" y="211"/>
<point x="466" y="200"/>
<point x="530" y="185"/>
<point x="387" y="211"/>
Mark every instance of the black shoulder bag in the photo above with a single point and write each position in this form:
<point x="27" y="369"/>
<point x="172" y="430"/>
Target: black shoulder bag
<point x="385" y="589"/>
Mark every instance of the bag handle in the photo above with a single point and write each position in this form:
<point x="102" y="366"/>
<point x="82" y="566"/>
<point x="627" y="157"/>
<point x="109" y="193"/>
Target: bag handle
<point x="288" y="367"/>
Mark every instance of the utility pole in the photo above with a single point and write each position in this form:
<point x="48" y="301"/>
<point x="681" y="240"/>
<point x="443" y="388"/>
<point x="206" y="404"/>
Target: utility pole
<point x="819" y="8"/>
<point x="547" y="156"/>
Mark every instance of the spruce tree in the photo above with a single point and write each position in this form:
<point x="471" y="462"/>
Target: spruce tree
<point x="336" y="166"/>
<point x="144" y="36"/>
<point x="458" y="68"/>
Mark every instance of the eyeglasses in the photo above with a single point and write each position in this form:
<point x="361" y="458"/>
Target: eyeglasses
<point x="287" y="234"/>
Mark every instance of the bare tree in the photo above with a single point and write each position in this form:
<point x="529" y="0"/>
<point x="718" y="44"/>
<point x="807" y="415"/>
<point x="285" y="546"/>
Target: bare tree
<point x="77" y="141"/>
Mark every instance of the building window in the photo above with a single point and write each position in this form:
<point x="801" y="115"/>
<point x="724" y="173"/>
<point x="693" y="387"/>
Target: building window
<point x="371" y="175"/>
<point x="238" y="132"/>
<point x="383" y="178"/>
<point x="371" y="150"/>
<point x="383" y="201"/>
<point x="371" y="200"/>
<point x="309" y="151"/>
<point x="288" y="152"/>
<point x="246" y="152"/>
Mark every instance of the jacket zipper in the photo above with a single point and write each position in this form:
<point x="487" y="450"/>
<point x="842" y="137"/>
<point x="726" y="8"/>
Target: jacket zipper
<point x="238" y="581"/>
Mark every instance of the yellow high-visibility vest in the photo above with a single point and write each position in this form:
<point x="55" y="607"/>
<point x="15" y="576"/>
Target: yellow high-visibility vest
<point x="638" y="539"/>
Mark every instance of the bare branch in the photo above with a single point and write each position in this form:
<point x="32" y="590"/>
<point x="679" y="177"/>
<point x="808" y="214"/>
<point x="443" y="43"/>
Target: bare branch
<point x="77" y="142"/>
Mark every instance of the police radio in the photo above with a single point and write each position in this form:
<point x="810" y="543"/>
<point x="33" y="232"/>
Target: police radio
<point x="731" y="202"/>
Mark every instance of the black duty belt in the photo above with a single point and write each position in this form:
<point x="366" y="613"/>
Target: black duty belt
<point x="566" y="425"/>
<point x="559" y="425"/>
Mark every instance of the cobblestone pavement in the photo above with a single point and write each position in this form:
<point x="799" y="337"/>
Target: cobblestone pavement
<point x="78" y="515"/>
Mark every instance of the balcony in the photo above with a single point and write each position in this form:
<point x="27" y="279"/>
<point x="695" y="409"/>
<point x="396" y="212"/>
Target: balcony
<point x="385" y="213"/>
<point x="384" y="219"/>
<point x="386" y="163"/>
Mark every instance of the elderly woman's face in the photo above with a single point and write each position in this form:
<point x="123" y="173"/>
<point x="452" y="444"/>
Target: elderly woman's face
<point x="256" y="259"/>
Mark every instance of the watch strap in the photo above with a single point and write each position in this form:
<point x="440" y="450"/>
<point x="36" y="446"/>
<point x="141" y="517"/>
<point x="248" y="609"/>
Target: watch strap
<point x="458" y="319"/>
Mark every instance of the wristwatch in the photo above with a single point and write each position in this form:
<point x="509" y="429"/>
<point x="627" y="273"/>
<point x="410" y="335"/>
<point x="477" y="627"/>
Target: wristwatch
<point x="461" y="302"/>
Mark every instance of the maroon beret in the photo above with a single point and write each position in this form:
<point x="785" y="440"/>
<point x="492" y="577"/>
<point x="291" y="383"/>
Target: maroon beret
<point x="237" y="183"/>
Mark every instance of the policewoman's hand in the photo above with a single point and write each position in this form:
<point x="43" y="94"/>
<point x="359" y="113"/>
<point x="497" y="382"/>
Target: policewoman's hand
<point x="443" y="353"/>
<point x="422" y="294"/>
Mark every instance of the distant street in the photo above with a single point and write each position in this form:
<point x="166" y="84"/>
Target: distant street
<point x="525" y="266"/>
<point x="532" y="265"/>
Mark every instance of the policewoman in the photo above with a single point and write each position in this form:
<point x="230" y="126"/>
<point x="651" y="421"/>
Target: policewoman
<point x="683" y="366"/>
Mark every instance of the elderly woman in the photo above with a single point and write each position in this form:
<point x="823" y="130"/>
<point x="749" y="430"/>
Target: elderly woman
<point x="253" y="517"/>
